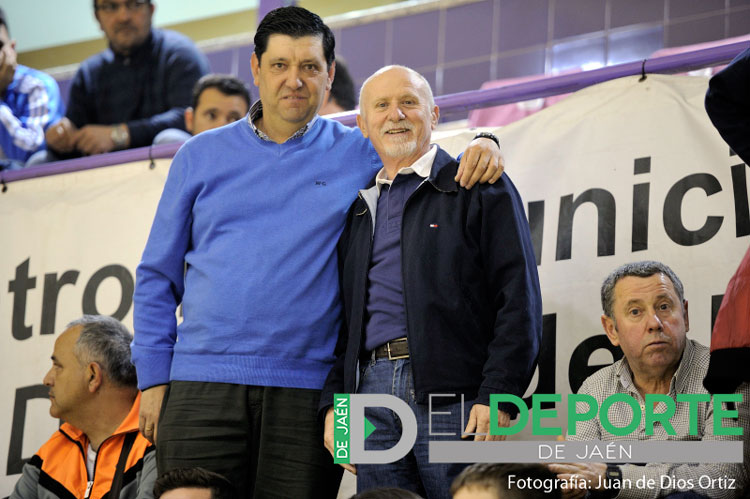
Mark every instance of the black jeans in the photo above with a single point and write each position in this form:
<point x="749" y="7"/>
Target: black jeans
<point x="266" y="440"/>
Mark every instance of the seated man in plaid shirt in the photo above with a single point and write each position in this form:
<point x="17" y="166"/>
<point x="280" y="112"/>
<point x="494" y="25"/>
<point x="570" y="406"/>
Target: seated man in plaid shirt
<point x="646" y="315"/>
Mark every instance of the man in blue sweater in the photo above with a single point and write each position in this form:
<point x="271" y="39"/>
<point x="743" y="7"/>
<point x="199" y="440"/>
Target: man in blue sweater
<point x="245" y="239"/>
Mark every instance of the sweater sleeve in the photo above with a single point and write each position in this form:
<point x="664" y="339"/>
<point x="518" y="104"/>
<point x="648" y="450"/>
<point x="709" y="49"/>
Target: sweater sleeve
<point x="514" y="290"/>
<point x="335" y="380"/>
<point x="160" y="277"/>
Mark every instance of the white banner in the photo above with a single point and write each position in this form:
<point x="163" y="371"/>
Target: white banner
<point x="71" y="244"/>
<point x="621" y="171"/>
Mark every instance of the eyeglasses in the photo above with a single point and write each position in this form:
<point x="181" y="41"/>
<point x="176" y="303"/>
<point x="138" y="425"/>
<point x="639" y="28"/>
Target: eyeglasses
<point x="130" y="5"/>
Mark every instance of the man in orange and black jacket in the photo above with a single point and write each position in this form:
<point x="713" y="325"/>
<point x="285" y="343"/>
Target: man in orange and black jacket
<point x="98" y="451"/>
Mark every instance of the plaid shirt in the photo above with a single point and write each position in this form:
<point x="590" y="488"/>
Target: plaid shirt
<point x="256" y="112"/>
<point x="618" y="378"/>
<point x="30" y="104"/>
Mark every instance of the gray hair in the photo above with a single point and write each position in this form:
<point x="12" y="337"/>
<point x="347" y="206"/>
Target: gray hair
<point x="645" y="268"/>
<point x="430" y="97"/>
<point x="106" y="341"/>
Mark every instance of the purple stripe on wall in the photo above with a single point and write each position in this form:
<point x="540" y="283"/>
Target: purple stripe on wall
<point x="90" y="162"/>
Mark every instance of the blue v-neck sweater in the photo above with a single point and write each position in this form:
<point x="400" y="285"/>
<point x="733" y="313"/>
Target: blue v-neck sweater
<point x="245" y="238"/>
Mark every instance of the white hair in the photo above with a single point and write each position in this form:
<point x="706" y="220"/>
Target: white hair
<point x="430" y="98"/>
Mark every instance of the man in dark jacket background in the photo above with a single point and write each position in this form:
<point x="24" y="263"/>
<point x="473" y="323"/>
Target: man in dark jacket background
<point x="440" y="290"/>
<point x="140" y="85"/>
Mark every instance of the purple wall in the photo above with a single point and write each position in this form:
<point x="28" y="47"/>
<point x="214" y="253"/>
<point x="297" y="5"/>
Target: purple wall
<point x="459" y="48"/>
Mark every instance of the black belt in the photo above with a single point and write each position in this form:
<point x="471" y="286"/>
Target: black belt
<point x="393" y="350"/>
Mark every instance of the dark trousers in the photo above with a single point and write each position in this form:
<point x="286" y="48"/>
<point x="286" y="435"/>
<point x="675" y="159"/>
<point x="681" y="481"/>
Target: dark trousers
<point x="266" y="440"/>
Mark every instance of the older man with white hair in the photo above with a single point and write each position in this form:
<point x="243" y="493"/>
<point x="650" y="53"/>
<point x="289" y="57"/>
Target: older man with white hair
<point x="439" y="286"/>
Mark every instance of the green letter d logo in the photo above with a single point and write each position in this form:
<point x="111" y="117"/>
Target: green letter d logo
<point x="360" y="429"/>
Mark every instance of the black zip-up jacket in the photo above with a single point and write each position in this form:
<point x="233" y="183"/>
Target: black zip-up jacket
<point x="470" y="284"/>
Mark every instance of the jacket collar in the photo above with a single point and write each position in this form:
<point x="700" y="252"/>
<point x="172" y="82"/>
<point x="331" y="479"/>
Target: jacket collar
<point x="441" y="175"/>
<point x="129" y="424"/>
<point x="421" y="167"/>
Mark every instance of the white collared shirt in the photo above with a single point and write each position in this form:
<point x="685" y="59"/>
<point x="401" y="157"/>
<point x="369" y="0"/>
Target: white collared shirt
<point x="421" y="167"/>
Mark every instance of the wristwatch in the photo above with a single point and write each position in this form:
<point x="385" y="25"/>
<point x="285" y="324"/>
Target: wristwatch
<point x="612" y="473"/>
<point x="120" y="136"/>
<point x="488" y="135"/>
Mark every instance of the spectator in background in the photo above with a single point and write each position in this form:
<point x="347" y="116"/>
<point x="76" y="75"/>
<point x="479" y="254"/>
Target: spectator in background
<point x="217" y="101"/>
<point x="193" y="483"/>
<point x="30" y="102"/>
<point x="122" y="97"/>
<point x="92" y="388"/>
<point x="341" y="96"/>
